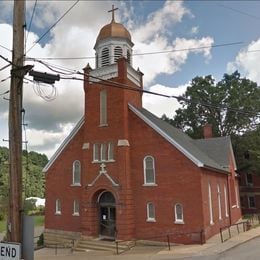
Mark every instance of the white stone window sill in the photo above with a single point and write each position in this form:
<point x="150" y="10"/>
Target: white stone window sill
<point x="150" y="220"/>
<point x="150" y="185"/>
<point x="179" y="222"/>
<point x="104" y="161"/>
<point x="211" y="223"/>
<point x="103" y="125"/>
<point x="75" y="214"/>
<point x="75" y="185"/>
<point x="58" y="213"/>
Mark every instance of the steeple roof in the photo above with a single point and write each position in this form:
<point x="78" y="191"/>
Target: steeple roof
<point x="113" y="30"/>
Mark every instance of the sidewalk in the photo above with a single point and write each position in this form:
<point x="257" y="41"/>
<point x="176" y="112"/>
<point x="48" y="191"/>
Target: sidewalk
<point x="212" y="247"/>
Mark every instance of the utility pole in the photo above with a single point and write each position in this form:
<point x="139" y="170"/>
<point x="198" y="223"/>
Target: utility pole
<point x="14" y="225"/>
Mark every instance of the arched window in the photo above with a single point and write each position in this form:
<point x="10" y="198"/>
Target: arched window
<point x="178" y="209"/>
<point x="226" y="200"/>
<point x="149" y="171"/>
<point x="76" y="173"/>
<point x="210" y="205"/>
<point x="118" y="52"/>
<point x="105" y="57"/>
<point x="75" y="208"/>
<point x="219" y="203"/>
<point x="150" y="211"/>
<point x="57" y="207"/>
<point x="103" y="107"/>
<point x="128" y="56"/>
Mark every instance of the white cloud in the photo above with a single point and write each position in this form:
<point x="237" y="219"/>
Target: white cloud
<point x="194" y="30"/>
<point x="247" y="62"/>
<point x="74" y="36"/>
<point x="158" y="22"/>
<point x="162" y="105"/>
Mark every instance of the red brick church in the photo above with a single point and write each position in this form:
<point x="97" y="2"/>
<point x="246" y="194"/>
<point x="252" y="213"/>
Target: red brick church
<point x="125" y="174"/>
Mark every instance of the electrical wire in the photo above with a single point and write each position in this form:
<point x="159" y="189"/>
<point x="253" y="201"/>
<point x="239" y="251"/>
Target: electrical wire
<point x="125" y="86"/>
<point x="5" y="67"/>
<point x="53" y="25"/>
<point x="179" y="98"/>
<point x="30" y="24"/>
<point x="239" y="11"/>
<point x="147" y="53"/>
<point x="3" y="80"/>
<point x="6" y="92"/>
<point x="5" y="48"/>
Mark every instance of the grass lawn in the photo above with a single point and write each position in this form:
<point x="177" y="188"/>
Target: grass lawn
<point x="38" y="221"/>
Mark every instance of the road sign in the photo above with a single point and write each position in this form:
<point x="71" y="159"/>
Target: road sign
<point x="10" y="251"/>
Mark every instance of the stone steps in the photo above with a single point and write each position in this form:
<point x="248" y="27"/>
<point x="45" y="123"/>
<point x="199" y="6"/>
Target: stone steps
<point x="56" y="238"/>
<point x="85" y="244"/>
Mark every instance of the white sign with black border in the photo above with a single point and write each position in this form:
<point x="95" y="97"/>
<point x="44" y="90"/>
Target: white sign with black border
<point x="10" y="251"/>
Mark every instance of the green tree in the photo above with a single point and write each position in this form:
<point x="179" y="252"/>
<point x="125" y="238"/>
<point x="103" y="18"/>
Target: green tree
<point x="231" y="105"/>
<point x="33" y="178"/>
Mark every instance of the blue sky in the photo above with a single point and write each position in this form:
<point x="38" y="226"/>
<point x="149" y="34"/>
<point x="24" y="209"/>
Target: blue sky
<point x="154" y="26"/>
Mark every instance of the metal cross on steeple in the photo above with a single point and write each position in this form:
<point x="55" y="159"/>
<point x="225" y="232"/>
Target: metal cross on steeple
<point x="113" y="13"/>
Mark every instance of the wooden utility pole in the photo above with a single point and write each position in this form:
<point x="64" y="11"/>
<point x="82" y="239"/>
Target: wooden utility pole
<point x="14" y="225"/>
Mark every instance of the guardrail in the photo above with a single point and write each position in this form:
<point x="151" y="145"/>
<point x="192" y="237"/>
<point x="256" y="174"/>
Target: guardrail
<point x="68" y="245"/>
<point x="245" y="226"/>
<point x="165" y="238"/>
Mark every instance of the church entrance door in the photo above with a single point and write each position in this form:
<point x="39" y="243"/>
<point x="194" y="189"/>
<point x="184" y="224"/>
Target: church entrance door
<point x="107" y="209"/>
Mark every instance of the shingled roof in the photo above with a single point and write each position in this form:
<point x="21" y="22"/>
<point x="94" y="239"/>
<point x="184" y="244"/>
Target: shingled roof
<point x="212" y="153"/>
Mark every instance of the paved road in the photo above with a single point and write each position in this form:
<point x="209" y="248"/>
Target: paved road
<point x="247" y="251"/>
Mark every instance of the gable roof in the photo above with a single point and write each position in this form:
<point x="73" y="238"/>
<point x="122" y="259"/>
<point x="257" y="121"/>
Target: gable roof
<point x="211" y="153"/>
<point x="218" y="148"/>
<point x="193" y="149"/>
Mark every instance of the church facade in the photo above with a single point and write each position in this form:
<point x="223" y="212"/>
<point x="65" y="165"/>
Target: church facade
<point x="125" y="174"/>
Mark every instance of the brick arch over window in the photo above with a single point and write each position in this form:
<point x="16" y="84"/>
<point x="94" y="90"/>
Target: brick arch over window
<point x="76" y="173"/>
<point x="178" y="212"/>
<point x="149" y="170"/>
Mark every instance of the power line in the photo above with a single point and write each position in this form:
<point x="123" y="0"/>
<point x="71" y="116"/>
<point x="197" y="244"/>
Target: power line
<point x="3" y="80"/>
<point x="5" y="48"/>
<point x="125" y="86"/>
<point x="53" y="25"/>
<point x="146" y="53"/>
<point x="6" y="92"/>
<point x="239" y="11"/>
<point x="29" y="28"/>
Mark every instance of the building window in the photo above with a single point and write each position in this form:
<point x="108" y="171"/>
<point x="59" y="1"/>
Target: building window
<point x="76" y="173"/>
<point x="57" y="207"/>
<point x="249" y="179"/>
<point x="251" y="202"/>
<point x="96" y="152"/>
<point x="118" y="52"/>
<point x="210" y="205"/>
<point x="75" y="208"/>
<point x="178" y="209"/>
<point x="110" y="152"/>
<point x="105" y="57"/>
<point x="149" y="170"/>
<point x="226" y="200"/>
<point x="103" y="152"/>
<point x="150" y="212"/>
<point x="103" y="108"/>
<point x="219" y="203"/>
